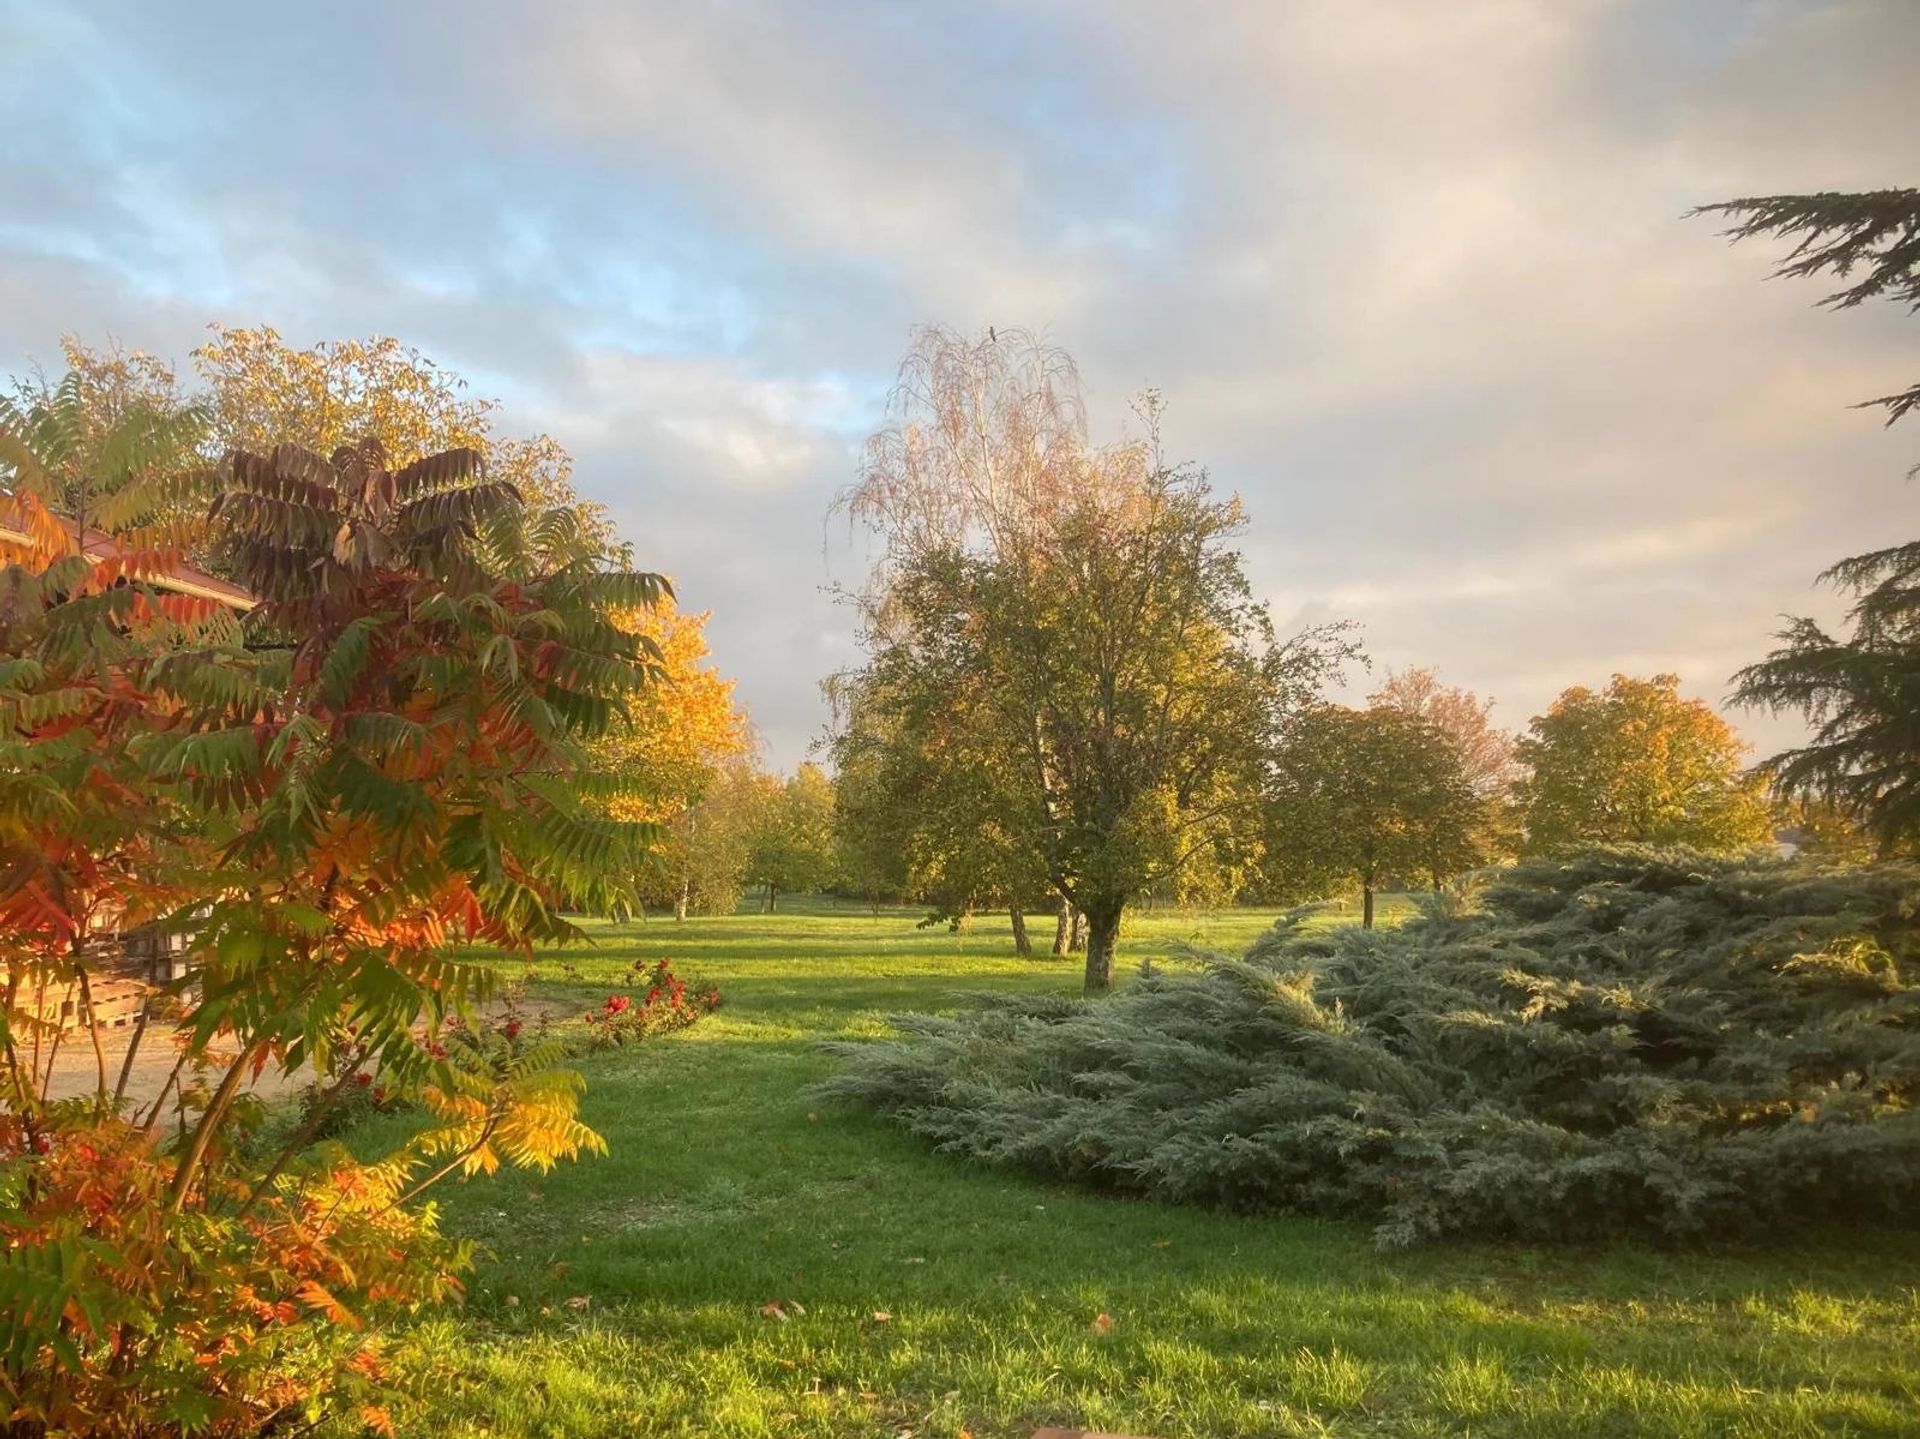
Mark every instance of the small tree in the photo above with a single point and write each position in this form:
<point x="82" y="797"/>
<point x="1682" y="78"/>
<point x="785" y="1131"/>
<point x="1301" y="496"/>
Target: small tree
<point x="1638" y="764"/>
<point x="793" y="846"/>
<point x="376" y="760"/>
<point x="1363" y="795"/>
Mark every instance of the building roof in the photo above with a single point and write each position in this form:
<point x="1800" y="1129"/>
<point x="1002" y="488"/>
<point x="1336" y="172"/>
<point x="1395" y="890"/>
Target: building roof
<point x="97" y="545"/>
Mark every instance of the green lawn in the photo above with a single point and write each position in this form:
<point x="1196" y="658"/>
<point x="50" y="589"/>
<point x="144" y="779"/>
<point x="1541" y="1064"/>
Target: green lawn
<point x="624" y="1295"/>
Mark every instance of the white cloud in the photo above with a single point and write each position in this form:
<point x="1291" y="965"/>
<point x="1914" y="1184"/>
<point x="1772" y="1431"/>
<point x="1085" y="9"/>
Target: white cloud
<point x="1411" y="276"/>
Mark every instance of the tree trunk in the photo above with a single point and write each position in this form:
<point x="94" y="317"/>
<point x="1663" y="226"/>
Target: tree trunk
<point x="1103" y="934"/>
<point x="1366" y="903"/>
<point x="771" y="892"/>
<point x="1022" y="946"/>
<point x="962" y="923"/>
<point x="1077" y="936"/>
<point x="1062" y="920"/>
<point x="682" y="901"/>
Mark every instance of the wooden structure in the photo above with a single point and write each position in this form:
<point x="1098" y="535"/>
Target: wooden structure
<point x="130" y="965"/>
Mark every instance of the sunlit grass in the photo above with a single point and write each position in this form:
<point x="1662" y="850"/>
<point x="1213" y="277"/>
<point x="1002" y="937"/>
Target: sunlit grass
<point x="625" y="1295"/>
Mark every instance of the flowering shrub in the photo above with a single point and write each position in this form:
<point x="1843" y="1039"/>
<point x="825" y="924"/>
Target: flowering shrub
<point x="348" y="1095"/>
<point x="669" y="1003"/>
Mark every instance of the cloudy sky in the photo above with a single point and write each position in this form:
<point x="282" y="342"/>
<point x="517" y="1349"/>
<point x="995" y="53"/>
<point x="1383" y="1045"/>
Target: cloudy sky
<point x="1411" y="277"/>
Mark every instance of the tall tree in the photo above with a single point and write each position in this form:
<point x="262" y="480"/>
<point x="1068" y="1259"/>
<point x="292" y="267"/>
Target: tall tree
<point x="109" y="447"/>
<point x="706" y="847"/>
<point x="1080" y="614"/>
<point x="1860" y="691"/>
<point x="1638" y="764"/>
<point x="1360" y="796"/>
<point x="251" y="390"/>
<point x="1870" y="240"/>
<point x="684" y="730"/>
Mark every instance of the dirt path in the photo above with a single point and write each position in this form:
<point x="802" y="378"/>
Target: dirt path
<point x="76" y="1071"/>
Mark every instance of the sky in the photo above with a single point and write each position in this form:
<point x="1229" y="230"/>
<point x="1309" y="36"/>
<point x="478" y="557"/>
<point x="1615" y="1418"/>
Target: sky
<point x="1414" y="279"/>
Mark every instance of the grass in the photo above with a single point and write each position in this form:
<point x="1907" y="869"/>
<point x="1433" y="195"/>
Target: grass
<point x="629" y="1294"/>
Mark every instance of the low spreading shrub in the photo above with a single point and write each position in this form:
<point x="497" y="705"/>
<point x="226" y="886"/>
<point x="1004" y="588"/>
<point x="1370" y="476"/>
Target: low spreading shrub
<point x="1624" y="1043"/>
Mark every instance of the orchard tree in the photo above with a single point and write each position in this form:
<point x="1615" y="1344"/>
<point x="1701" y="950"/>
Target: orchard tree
<point x="1081" y="612"/>
<point x="1638" y="764"/>
<point x="1361" y="796"/>
<point x="1859" y="690"/>
<point x="706" y="848"/>
<point x="792" y="849"/>
<point x="923" y="806"/>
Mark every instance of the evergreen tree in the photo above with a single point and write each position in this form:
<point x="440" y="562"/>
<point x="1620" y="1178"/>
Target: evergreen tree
<point x="1860" y="691"/>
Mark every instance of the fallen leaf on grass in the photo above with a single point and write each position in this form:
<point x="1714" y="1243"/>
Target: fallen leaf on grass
<point x="880" y="1316"/>
<point x="1103" y="1324"/>
<point x="579" y="1302"/>
<point x="772" y="1309"/>
<point x="1161" y="1243"/>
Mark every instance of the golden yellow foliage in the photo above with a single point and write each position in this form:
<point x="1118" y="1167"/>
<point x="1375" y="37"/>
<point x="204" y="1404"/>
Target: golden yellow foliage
<point x="683" y="727"/>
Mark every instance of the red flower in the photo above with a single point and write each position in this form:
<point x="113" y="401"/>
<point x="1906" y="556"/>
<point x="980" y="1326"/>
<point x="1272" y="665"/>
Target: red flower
<point x="363" y="1078"/>
<point x="511" y="1029"/>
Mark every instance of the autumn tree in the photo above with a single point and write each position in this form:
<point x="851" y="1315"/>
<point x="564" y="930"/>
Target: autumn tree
<point x="1361" y="796"/>
<point x="985" y="449"/>
<point x="792" y="844"/>
<point x="1858" y="689"/>
<point x="1114" y="669"/>
<point x="1483" y="750"/>
<point x="1637" y="764"/>
<point x="111" y="447"/>
<point x="685" y="729"/>
<point x="923" y="806"/>
<point x="252" y="390"/>
<point x="374" y="759"/>
<point x="706" y="849"/>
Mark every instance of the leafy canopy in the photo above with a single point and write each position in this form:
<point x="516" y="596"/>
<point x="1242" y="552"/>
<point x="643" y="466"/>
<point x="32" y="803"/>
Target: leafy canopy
<point x="322" y="791"/>
<point x="1636" y="763"/>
